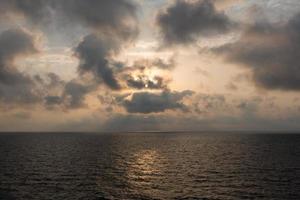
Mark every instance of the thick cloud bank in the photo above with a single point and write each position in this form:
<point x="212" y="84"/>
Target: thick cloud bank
<point x="145" y="102"/>
<point x="272" y="53"/>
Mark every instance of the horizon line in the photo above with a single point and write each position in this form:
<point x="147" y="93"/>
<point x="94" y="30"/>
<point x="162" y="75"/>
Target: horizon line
<point x="169" y="131"/>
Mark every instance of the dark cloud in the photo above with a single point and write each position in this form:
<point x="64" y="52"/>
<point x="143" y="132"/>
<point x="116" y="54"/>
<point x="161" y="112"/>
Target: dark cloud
<point x="114" y="17"/>
<point x="35" y="10"/>
<point x="271" y="52"/>
<point x="112" y="25"/>
<point x="53" y="100"/>
<point x="14" y="85"/>
<point x="13" y="43"/>
<point x="54" y="81"/>
<point x="65" y="95"/>
<point x="117" y="16"/>
<point x="145" y="102"/>
<point x="94" y="53"/>
<point x="72" y="94"/>
<point x="137" y="84"/>
<point x="75" y="93"/>
<point x="184" y="21"/>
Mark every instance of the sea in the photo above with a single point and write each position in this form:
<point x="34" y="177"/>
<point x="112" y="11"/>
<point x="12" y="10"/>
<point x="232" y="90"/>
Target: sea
<point x="94" y="166"/>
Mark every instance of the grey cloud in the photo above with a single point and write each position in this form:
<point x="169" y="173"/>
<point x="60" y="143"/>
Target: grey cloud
<point x="53" y="100"/>
<point x="145" y="102"/>
<point x="94" y="52"/>
<point x="35" y="10"/>
<point x="72" y="95"/>
<point x="66" y="95"/>
<point x="184" y="21"/>
<point x="15" y="42"/>
<point x="75" y="93"/>
<point x="54" y="80"/>
<point x="96" y="55"/>
<point x="138" y="84"/>
<point x="271" y="52"/>
<point x="112" y="24"/>
<point x="14" y="85"/>
<point x="115" y="17"/>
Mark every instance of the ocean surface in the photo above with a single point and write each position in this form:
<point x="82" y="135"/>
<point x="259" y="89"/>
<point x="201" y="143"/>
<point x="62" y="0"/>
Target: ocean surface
<point x="75" y="166"/>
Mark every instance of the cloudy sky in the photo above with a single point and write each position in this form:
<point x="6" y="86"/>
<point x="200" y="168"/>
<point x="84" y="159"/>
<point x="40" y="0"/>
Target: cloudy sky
<point x="149" y="65"/>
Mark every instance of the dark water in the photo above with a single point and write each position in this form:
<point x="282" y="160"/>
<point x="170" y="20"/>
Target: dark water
<point x="149" y="166"/>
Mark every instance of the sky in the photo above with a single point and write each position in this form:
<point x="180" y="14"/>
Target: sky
<point x="149" y="65"/>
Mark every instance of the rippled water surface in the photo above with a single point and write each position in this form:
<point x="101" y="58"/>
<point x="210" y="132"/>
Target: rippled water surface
<point x="149" y="166"/>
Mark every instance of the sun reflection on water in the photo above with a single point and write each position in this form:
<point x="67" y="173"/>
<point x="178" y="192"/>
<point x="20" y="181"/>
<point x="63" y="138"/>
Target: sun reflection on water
<point x="145" y="170"/>
<point x="145" y="163"/>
